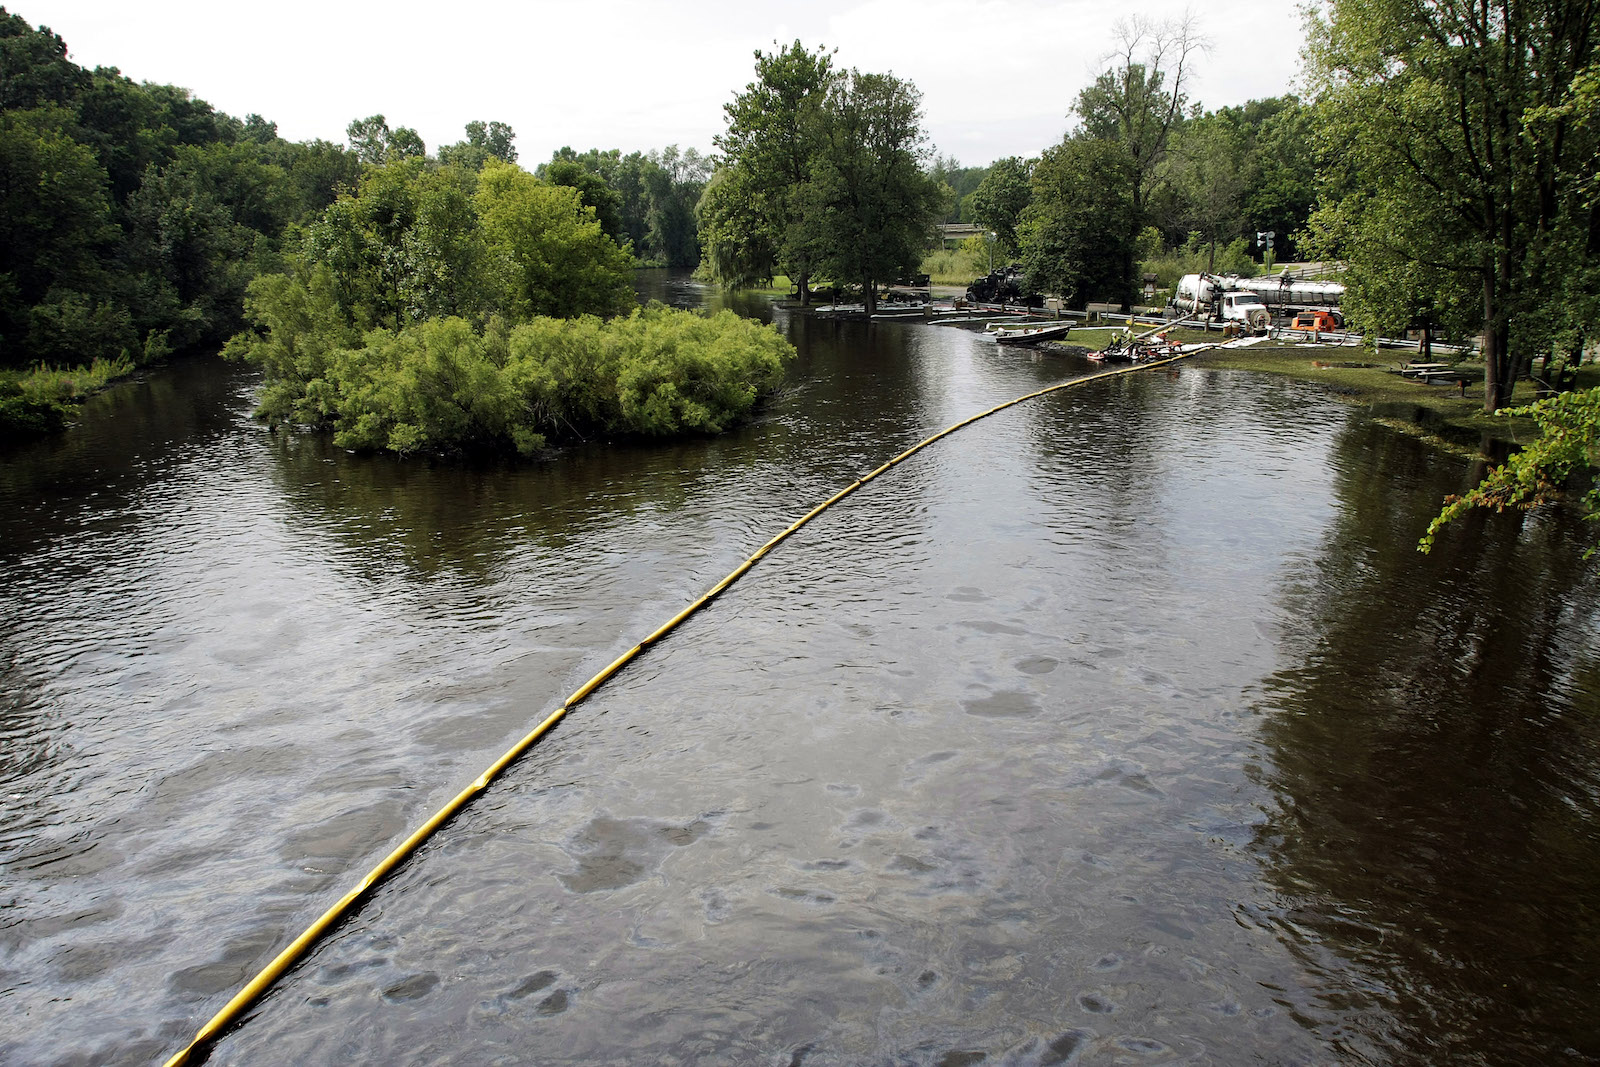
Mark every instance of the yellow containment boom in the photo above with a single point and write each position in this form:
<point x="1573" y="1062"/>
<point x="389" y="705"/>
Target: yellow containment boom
<point x="329" y="919"/>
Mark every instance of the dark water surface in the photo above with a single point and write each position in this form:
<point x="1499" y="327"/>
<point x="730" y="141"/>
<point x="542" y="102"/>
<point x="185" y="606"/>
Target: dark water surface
<point x="1125" y="727"/>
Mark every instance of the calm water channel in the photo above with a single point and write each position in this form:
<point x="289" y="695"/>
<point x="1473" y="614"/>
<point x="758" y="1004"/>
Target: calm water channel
<point x="1125" y="727"/>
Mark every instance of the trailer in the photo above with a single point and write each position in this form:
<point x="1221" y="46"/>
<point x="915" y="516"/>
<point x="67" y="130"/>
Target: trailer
<point x="1286" y="294"/>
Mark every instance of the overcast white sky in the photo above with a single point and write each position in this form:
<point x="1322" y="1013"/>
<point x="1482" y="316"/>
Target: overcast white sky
<point x="997" y="76"/>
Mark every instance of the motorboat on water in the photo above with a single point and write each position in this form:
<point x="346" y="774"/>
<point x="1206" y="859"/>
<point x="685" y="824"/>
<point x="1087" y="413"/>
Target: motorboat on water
<point x="1027" y="335"/>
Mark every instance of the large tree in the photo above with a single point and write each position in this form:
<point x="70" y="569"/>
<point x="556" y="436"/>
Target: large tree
<point x="1136" y="104"/>
<point x="1080" y="221"/>
<point x="1458" y="165"/>
<point x="872" y="206"/>
<point x="775" y="133"/>
<point x="998" y="201"/>
<point x="738" y="246"/>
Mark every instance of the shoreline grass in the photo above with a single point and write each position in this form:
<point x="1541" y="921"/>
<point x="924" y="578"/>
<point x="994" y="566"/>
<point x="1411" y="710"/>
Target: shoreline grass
<point x="36" y="402"/>
<point x="1362" y="376"/>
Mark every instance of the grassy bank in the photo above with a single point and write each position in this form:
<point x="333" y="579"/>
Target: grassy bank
<point x="37" y="402"/>
<point x="1363" y="376"/>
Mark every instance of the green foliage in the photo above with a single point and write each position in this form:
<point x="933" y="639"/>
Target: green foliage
<point x="37" y="402"/>
<point x="737" y="241"/>
<point x="775" y="132"/>
<point x="1460" y="161"/>
<point x="299" y="322"/>
<point x="1092" y="194"/>
<point x="643" y="200"/>
<point x="548" y="253"/>
<point x="132" y="216"/>
<point x="444" y="385"/>
<point x="871" y="207"/>
<point x="999" y="200"/>
<point x="959" y="265"/>
<point x="825" y="173"/>
<point x="1569" y="443"/>
<point x="22" y="418"/>
<point x="485" y="141"/>
<point x="1197" y="254"/>
<point x="67" y="384"/>
<point x="592" y="190"/>
<point x="961" y="182"/>
<point x="375" y="143"/>
<point x="1078" y="233"/>
<point x="437" y="309"/>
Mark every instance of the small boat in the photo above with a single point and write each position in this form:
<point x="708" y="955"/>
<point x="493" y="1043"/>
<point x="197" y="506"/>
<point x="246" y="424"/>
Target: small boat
<point x="1028" y="335"/>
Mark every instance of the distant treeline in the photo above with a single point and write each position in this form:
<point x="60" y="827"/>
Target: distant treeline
<point x="135" y="219"/>
<point x="133" y="215"/>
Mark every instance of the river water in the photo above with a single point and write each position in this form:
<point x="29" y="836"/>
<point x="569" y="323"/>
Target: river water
<point x="1124" y="727"/>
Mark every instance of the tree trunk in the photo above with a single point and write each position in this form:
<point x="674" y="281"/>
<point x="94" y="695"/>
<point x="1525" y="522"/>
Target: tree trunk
<point x="805" y="288"/>
<point x="1498" y="376"/>
<point x="869" y="295"/>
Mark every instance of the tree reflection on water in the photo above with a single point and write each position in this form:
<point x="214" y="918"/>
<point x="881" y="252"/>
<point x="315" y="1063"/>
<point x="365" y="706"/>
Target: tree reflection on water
<point x="1435" y="754"/>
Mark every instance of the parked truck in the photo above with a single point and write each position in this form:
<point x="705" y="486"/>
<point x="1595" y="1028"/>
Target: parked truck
<point x="1210" y="296"/>
<point x="1252" y="302"/>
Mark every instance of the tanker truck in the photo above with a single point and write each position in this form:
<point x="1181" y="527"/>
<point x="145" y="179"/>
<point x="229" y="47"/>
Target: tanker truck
<point x="1207" y="295"/>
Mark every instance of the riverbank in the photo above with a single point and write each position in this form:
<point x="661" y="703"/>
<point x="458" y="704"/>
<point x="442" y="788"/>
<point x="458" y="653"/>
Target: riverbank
<point x="38" y="402"/>
<point x="1363" y="376"/>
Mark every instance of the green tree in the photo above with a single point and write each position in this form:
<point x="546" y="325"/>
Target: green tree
<point x="1568" y="445"/>
<point x="1081" y="221"/>
<point x="1136" y="105"/>
<point x="374" y="142"/>
<point x="55" y="227"/>
<point x="1211" y="169"/>
<point x="962" y="183"/>
<point x="873" y="207"/>
<point x="999" y="200"/>
<point x="547" y="249"/>
<point x="485" y="141"/>
<point x="673" y="182"/>
<point x="775" y="133"/>
<point x="34" y="68"/>
<point x="593" y="190"/>
<point x="197" y="229"/>
<point x="737" y="244"/>
<point x="1282" y="181"/>
<point x="1458" y="167"/>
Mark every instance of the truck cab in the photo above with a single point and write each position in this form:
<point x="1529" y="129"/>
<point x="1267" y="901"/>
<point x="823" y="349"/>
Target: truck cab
<point x="1245" y="308"/>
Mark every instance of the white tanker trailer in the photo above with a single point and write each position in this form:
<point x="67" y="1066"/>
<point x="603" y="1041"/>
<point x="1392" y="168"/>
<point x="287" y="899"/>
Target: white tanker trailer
<point x="1251" y="302"/>
<point x="1294" y="294"/>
